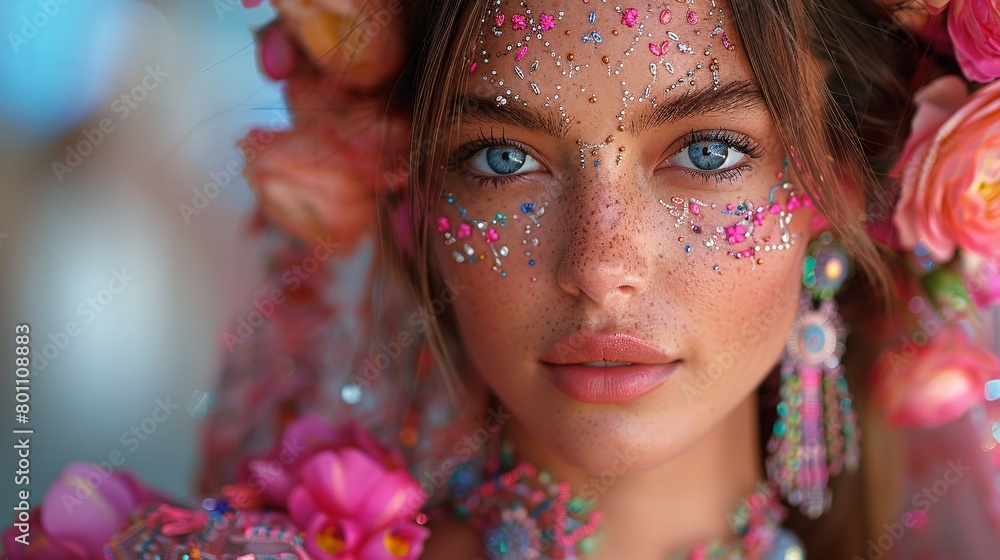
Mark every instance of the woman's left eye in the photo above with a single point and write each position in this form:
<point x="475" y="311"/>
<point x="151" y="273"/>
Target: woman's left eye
<point x="503" y="160"/>
<point x="716" y="152"/>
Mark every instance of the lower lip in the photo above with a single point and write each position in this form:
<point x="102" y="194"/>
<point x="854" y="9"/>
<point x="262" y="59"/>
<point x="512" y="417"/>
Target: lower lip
<point x="609" y="384"/>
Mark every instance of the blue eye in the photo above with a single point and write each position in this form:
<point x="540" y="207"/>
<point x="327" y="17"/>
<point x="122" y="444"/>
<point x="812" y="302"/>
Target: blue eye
<point x="710" y="155"/>
<point x="503" y="160"/>
<point x="713" y="153"/>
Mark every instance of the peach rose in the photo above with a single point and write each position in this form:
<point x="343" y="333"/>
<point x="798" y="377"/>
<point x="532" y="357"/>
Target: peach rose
<point x="322" y="178"/>
<point x="950" y="171"/>
<point x="974" y="27"/>
<point x="935" y="383"/>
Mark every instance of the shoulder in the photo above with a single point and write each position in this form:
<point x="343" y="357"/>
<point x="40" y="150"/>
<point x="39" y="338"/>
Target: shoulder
<point x="452" y="540"/>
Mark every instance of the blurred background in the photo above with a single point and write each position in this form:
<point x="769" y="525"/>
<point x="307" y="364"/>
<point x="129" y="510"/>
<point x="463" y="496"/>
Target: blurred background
<point x="123" y="222"/>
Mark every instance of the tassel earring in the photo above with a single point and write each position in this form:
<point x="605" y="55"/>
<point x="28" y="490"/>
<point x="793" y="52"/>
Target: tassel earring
<point x="816" y="434"/>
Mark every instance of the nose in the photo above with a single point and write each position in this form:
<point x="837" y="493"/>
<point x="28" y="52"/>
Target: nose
<point x="607" y="255"/>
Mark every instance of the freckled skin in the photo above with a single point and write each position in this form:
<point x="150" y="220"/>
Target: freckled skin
<point x="609" y="259"/>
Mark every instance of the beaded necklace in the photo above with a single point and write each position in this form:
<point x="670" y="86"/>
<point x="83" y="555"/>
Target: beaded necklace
<point x="523" y="514"/>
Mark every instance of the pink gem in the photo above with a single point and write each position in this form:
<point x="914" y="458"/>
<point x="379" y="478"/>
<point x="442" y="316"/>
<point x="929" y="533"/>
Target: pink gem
<point x="491" y="235"/>
<point x="521" y="52"/>
<point x="517" y="22"/>
<point x="472" y="67"/>
<point x="775" y="209"/>
<point x="546" y="22"/>
<point x="692" y="17"/>
<point x="443" y="224"/>
<point x="665" y="17"/>
<point x="659" y="50"/>
<point x="726" y="42"/>
<point x="630" y="17"/>
<point x="730" y="207"/>
<point x="794" y="204"/>
<point x="695" y="209"/>
<point x="499" y="20"/>
<point x="736" y="234"/>
<point x="747" y="253"/>
<point x="464" y="230"/>
<point x="758" y="218"/>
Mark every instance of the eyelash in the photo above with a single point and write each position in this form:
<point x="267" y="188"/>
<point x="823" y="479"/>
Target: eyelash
<point x="736" y="140"/>
<point x="741" y="142"/>
<point x="463" y="153"/>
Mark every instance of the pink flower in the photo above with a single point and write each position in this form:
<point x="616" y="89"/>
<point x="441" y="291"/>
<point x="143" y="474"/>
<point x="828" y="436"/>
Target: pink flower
<point x="491" y="235"/>
<point x="630" y="17"/>
<point x="518" y="22"/>
<point x="950" y="171"/>
<point x="80" y="512"/>
<point x="352" y="508"/>
<point x="933" y="384"/>
<point x="736" y="234"/>
<point x="443" y="225"/>
<point x="464" y="230"/>
<point x="275" y="474"/>
<point x="974" y="27"/>
<point x="546" y="21"/>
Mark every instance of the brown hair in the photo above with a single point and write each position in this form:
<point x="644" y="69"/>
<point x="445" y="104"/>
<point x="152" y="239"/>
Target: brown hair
<point x="833" y="74"/>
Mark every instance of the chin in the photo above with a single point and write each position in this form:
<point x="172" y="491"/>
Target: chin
<point x="594" y="438"/>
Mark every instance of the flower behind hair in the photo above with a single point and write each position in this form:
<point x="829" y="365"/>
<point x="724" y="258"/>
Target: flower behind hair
<point x="974" y="27"/>
<point x="925" y="383"/>
<point x="950" y="171"/>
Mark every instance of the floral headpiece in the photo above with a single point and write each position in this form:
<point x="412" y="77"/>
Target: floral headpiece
<point x="946" y="227"/>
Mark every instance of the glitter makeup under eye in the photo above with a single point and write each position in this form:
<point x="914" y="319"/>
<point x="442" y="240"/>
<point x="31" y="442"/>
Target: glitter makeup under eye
<point x="741" y="236"/>
<point x="489" y="230"/>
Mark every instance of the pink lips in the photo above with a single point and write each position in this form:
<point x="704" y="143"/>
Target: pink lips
<point x="648" y="367"/>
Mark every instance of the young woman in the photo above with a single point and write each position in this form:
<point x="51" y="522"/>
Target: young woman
<point x="622" y="227"/>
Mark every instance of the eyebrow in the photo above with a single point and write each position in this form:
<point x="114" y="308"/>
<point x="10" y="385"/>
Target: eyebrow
<point x="485" y="110"/>
<point x="737" y="94"/>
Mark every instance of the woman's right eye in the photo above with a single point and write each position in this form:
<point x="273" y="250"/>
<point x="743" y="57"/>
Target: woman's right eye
<point x="503" y="160"/>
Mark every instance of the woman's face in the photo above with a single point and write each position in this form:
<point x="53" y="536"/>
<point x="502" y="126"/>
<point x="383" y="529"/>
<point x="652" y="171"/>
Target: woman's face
<point x="616" y="215"/>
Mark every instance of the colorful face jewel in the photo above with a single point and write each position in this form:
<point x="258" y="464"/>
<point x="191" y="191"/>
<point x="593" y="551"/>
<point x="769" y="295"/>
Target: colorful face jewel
<point x="650" y="29"/>
<point x="741" y="238"/>
<point x="489" y="231"/>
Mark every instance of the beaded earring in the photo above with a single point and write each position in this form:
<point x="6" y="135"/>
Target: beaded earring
<point x="816" y="434"/>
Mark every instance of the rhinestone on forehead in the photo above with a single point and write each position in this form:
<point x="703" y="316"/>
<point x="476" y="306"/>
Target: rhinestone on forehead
<point x="653" y="34"/>
<point x="653" y="31"/>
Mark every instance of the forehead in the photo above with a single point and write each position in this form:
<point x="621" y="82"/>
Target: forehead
<point x="613" y="56"/>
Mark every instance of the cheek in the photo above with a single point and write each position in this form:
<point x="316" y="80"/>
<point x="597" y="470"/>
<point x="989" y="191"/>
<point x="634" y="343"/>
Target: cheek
<point x="740" y="321"/>
<point x="496" y="251"/>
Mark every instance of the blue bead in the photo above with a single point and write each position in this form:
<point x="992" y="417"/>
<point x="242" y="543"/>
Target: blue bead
<point x="687" y="248"/>
<point x="597" y="162"/>
<point x="527" y="207"/>
<point x="992" y="389"/>
<point x="531" y="262"/>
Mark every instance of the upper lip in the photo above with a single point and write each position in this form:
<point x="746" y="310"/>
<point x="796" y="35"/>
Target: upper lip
<point x="582" y="347"/>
